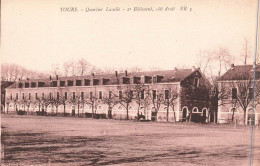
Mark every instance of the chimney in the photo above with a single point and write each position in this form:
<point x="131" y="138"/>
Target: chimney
<point x="27" y="79"/>
<point x="232" y="65"/>
<point x="93" y="74"/>
<point x="50" y="78"/>
<point x="57" y="77"/>
<point x="116" y="73"/>
<point x="125" y="72"/>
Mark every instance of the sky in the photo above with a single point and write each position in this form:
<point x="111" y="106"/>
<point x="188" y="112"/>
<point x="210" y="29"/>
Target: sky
<point x="36" y="34"/>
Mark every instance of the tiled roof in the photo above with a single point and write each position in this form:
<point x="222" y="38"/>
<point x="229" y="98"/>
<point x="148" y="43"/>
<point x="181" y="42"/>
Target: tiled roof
<point x="240" y="73"/>
<point x="169" y="76"/>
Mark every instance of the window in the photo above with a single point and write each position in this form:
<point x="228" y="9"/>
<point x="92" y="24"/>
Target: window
<point x="20" y="85"/>
<point x="50" y="95"/>
<point x="42" y="95"/>
<point x="23" y="95"/>
<point x="251" y="93"/>
<point x="234" y="93"/>
<point x="100" y="95"/>
<point x="70" y="83"/>
<point x="131" y="93"/>
<point x="78" y="82"/>
<point x="106" y="81"/>
<point x="120" y="94"/>
<point x="40" y="84"/>
<point x="62" y="83"/>
<point x="96" y="81"/>
<point x="54" y="83"/>
<point x="33" y="84"/>
<point x="73" y="95"/>
<point x="110" y="94"/>
<point x="126" y="80"/>
<point x="16" y="96"/>
<point x="66" y="95"/>
<point x="87" y="82"/>
<point x="11" y="97"/>
<point x="166" y="94"/>
<point x="142" y="94"/>
<point x="29" y="96"/>
<point x="36" y="96"/>
<point x="195" y="109"/>
<point x="154" y="94"/>
<point x="26" y="85"/>
<point x="90" y="94"/>
<point x="82" y="95"/>
<point x="196" y="82"/>
<point x="58" y="95"/>
<point x="147" y="79"/>
<point x="137" y="80"/>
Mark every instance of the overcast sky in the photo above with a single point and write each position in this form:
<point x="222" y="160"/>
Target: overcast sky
<point x="37" y="35"/>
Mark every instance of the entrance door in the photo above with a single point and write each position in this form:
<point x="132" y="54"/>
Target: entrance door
<point x="184" y="114"/>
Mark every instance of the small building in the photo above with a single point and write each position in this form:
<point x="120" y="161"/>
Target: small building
<point x="240" y="90"/>
<point x="4" y="85"/>
<point x="168" y="95"/>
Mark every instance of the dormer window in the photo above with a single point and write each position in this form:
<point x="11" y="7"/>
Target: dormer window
<point x="33" y="84"/>
<point x="96" y="81"/>
<point x="148" y="79"/>
<point x="26" y="85"/>
<point x="20" y="85"/>
<point x="159" y="79"/>
<point x="78" y="82"/>
<point x="70" y="83"/>
<point x="87" y="82"/>
<point x="106" y="81"/>
<point x="137" y="80"/>
<point x="40" y="84"/>
<point x="196" y="82"/>
<point x="126" y="80"/>
<point x="54" y="83"/>
<point x="62" y="83"/>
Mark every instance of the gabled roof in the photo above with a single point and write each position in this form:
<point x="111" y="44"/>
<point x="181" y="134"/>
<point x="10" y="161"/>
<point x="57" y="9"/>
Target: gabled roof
<point x="168" y="76"/>
<point x="241" y="72"/>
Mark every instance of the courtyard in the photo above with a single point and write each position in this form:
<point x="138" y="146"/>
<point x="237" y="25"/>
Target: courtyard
<point x="37" y="140"/>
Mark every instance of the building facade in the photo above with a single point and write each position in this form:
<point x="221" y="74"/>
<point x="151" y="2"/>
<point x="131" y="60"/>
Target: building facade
<point x="240" y="86"/>
<point x="4" y="85"/>
<point x="169" y="95"/>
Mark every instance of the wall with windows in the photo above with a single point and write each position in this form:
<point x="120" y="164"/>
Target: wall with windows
<point x="230" y="110"/>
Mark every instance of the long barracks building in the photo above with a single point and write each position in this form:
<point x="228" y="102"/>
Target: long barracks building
<point x="172" y="95"/>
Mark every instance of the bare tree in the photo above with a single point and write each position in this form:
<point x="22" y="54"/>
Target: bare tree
<point x="125" y="97"/>
<point x="138" y="92"/>
<point x="246" y="53"/>
<point x="171" y="94"/>
<point x="245" y="91"/>
<point x="78" y="100"/>
<point x="157" y="100"/>
<point x="110" y="100"/>
<point x="83" y="67"/>
<point x="92" y="100"/>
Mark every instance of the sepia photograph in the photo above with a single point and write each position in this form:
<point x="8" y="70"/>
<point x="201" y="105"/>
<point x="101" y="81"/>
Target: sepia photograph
<point x="109" y="82"/>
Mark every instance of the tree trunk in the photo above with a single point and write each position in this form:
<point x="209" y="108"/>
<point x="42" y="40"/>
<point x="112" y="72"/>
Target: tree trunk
<point x="56" y="110"/>
<point x="167" y="114"/>
<point x="127" y="112"/>
<point x="78" y="110"/>
<point x="64" y="106"/>
<point x="245" y="120"/>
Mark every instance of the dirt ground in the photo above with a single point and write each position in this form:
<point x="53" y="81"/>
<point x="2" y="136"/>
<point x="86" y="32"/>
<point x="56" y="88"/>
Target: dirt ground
<point x="34" y="140"/>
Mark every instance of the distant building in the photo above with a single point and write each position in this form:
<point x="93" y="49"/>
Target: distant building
<point x="241" y="97"/>
<point x="93" y="93"/>
<point x="4" y="85"/>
